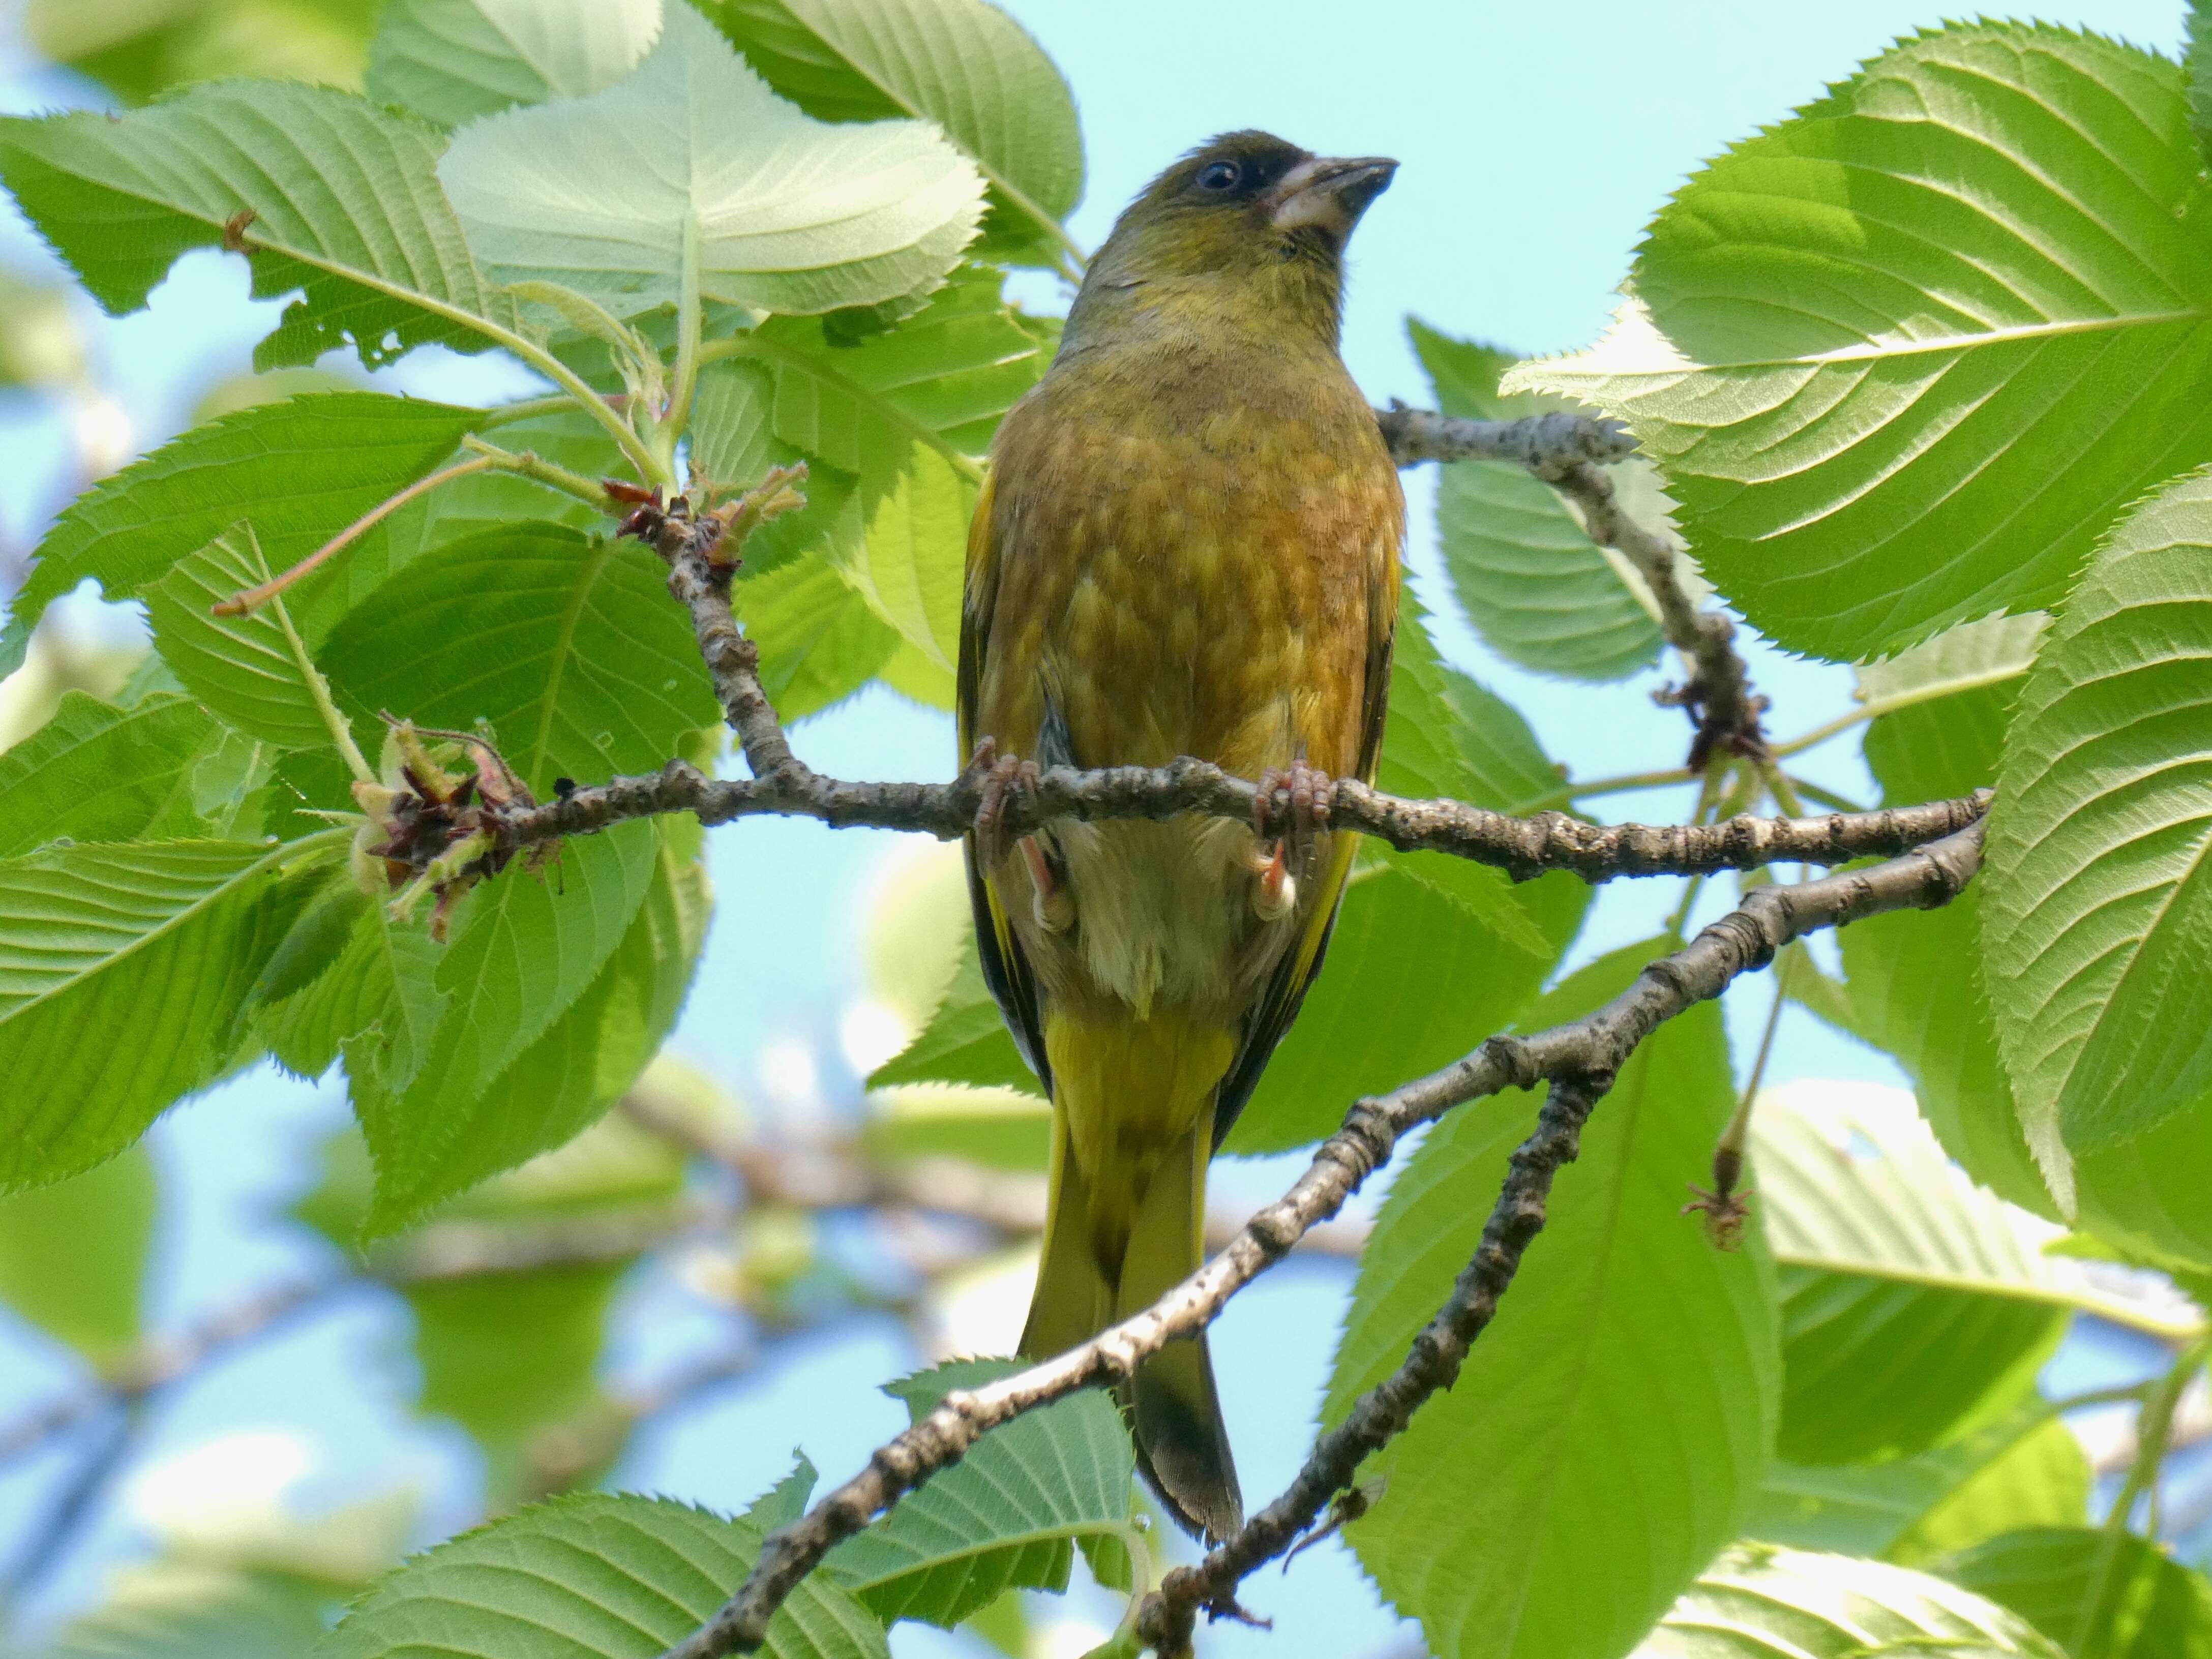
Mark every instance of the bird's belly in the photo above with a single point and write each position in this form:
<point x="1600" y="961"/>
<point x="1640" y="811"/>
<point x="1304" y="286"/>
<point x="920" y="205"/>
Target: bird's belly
<point x="1164" y="914"/>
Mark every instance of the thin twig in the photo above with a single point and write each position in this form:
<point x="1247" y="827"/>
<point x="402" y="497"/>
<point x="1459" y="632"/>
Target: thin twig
<point x="1586" y="1053"/>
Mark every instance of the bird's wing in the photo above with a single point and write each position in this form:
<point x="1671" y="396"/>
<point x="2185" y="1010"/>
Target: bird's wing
<point x="1006" y="969"/>
<point x="1278" y="1003"/>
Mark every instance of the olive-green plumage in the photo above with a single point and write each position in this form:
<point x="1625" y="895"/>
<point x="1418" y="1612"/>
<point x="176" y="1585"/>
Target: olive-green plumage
<point x="1189" y="546"/>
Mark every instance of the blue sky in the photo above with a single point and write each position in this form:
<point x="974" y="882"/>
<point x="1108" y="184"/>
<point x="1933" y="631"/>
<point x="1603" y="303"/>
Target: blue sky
<point x="1535" y="142"/>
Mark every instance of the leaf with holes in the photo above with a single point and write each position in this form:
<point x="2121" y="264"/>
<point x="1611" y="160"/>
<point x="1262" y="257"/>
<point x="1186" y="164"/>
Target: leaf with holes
<point x="1906" y="355"/>
<point x="689" y="176"/>
<point x="1010" y="1513"/>
<point x="1525" y="573"/>
<point x="1759" y="1599"/>
<point x="1618" y="1409"/>
<point x="2097" y="904"/>
<point x="329" y="194"/>
<point x="451" y="61"/>
<point x="964" y="64"/>
<point x="603" y="1577"/>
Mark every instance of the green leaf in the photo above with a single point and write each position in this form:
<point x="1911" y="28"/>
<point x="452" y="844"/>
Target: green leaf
<point x="153" y="944"/>
<point x="2098" y="905"/>
<point x="451" y="61"/>
<point x="1992" y="652"/>
<point x="305" y="468"/>
<point x="2198" y="63"/>
<point x="2024" y="1469"/>
<point x="2102" y="1595"/>
<point x="440" y="1140"/>
<point x="691" y="175"/>
<point x="1619" y="1408"/>
<point x="909" y="565"/>
<point x="940" y="378"/>
<point x="967" y="66"/>
<point x="905" y="411"/>
<point x="181" y="1608"/>
<point x="570" y="648"/>
<point x="1757" y="1599"/>
<point x="1526" y="575"/>
<point x="1905" y="356"/>
<point x="819" y="639"/>
<point x="1923" y="1302"/>
<point x="383" y="981"/>
<point x="95" y="772"/>
<point x="595" y="1577"/>
<point x="344" y="204"/>
<point x="512" y="1358"/>
<point x="73" y="1255"/>
<point x="1915" y="979"/>
<point x="253" y="670"/>
<point x="1917" y="990"/>
<point x="503" y="1076"/>
<point x="141" y="51"/>
<point x="492" y="500"/>
<point x="1008" y="1515"/>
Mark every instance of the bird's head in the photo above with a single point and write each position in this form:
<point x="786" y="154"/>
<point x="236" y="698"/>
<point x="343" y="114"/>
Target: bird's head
<point x="1246" y="219"/>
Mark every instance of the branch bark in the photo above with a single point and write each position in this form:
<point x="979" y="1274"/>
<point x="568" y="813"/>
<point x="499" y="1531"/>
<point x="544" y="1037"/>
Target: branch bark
<point x="1521" y="846"/>
<point x="1583" y="1055"/>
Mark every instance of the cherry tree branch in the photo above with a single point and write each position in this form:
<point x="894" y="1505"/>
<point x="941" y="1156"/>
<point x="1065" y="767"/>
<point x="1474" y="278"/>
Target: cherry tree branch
<point x="1570" y="452"/>
<point x="1582" y="1056"/>
<point x="1521" y="846"/>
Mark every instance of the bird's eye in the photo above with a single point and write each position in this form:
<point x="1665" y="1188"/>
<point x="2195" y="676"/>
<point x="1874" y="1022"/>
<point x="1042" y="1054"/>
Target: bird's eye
<point x="1219" y="176"/>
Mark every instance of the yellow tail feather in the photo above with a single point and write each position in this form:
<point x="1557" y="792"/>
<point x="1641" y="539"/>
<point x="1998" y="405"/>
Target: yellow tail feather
<point x="1127" y="1223"/>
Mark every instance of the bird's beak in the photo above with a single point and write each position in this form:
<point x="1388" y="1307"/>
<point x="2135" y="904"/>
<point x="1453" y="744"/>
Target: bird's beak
<point x="1329" y="192"/>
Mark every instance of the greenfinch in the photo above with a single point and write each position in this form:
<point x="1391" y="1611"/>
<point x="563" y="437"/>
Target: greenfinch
<point x="1189" y="544"/>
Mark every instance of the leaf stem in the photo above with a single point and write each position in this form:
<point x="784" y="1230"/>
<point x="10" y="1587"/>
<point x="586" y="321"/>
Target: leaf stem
<point x="528" y="464"/>
<point x="1828" y="797"/>
<point x="1890" y="704"/>
<point x="335" y="723"/>
<point x="239" y="603"/>
<point x="668" y="432"/>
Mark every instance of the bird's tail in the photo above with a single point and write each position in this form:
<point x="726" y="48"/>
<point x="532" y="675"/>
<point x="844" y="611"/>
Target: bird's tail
<point x="1182" y="1445"/>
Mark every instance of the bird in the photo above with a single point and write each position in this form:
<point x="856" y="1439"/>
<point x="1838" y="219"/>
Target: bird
<point x="1187" y="542"/>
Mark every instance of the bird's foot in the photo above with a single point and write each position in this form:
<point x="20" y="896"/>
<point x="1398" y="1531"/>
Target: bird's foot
<point x="1002" y="781"/>
<point x="1052" y="905"/>
<point x="1305" y="796"/>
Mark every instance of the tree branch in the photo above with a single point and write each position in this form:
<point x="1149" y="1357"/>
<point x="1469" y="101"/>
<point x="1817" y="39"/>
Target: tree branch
<point x="1545" y="444"/>
<point x="1584" y="1055"/>
<point x="1570" y="452"/>
<point x="1521" y="846"/>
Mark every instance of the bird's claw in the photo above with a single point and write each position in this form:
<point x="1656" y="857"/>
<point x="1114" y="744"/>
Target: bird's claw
<point x="1306" y="797"/>
<point x="1002" y="781"/>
